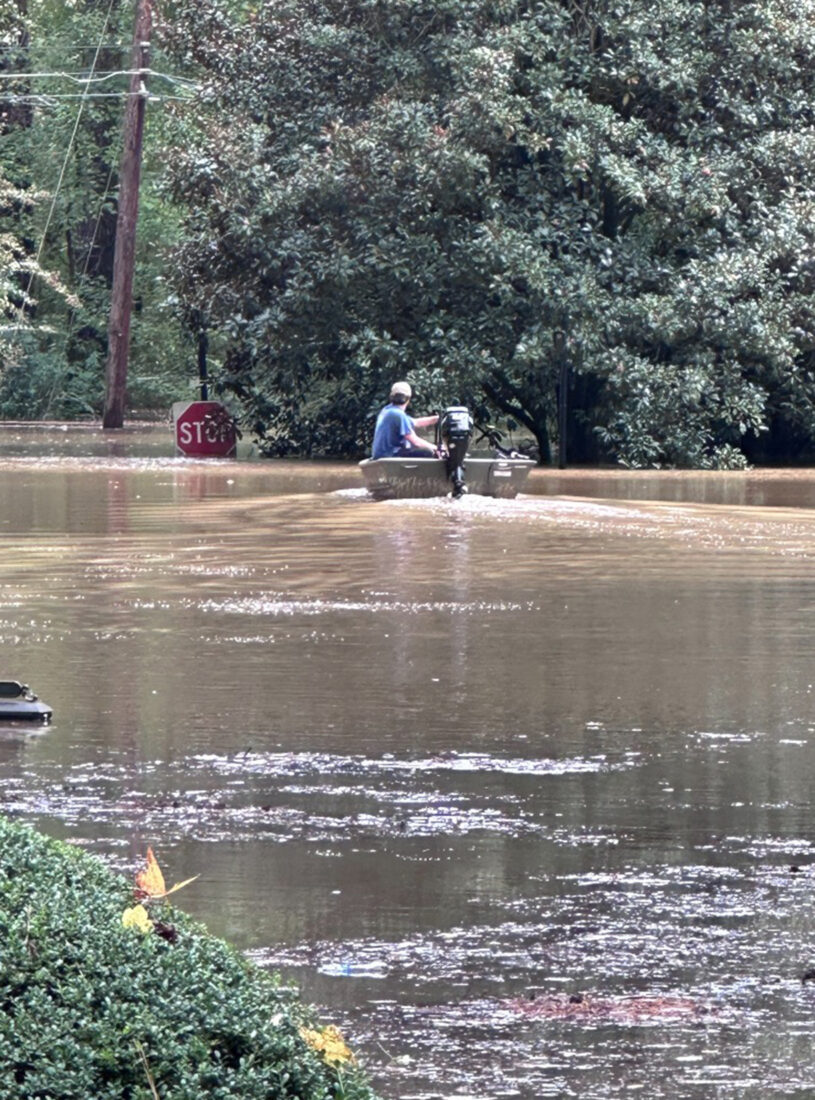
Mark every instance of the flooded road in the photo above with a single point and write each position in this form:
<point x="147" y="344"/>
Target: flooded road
<point x="518" y="792"/>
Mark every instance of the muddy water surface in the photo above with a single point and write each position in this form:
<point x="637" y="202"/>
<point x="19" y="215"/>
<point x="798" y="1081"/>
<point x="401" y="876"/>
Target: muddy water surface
<point x="513" y="790"/>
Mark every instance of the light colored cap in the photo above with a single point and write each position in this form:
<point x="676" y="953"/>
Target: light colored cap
<point x="401" y="388"/>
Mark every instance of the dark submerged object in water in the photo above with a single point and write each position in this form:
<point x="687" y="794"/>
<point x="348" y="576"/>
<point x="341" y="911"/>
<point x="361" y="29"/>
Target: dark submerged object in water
<point x="499" y="475"/>
<point x="633" y="1009"/>
<point x="19" y="703"/>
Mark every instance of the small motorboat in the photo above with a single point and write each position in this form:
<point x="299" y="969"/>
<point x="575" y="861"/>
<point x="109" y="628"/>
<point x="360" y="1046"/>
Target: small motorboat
<point x="19" y="703"/>
<point x="390" y="478"/>
<point x="496" y="475"/>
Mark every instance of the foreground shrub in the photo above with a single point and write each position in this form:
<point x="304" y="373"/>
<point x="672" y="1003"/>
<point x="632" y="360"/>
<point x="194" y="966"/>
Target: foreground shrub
<point x="93" y="1008"/>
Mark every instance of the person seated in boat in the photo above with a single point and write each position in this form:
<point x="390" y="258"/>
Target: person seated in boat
<point x="395" y="434"/>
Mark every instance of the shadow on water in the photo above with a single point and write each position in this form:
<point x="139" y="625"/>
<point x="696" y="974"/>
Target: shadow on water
<point x="518" y="792"/>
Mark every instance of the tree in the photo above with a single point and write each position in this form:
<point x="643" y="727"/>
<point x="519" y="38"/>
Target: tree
<point x="14" y="40"/>
<point x="62" y="137"/>
<point x="18" y="272"/>
<point x="498" y="198"/>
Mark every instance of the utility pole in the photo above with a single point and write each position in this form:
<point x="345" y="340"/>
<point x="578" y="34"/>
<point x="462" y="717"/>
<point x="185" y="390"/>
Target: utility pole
<point x="121" y="295"/>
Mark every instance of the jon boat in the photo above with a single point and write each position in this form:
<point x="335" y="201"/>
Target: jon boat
<point x="498" y="475"/>
<point x="19" y="703"/>
<point x="389" y="478"/>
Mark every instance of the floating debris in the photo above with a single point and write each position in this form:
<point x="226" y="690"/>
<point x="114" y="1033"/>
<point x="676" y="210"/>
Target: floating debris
<point x="632" y="1009"/>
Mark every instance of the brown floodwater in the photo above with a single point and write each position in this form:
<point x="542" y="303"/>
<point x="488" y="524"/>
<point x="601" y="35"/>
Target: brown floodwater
<point x="518" y="792"/>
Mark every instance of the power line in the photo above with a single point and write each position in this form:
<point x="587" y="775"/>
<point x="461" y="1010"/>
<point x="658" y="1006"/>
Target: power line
<point x="101" y="207"/>
<point x="27" y="295"/>
<point x="47" y="99"/>
<point x="57" y="41"/>
<point x="89" y="79"/>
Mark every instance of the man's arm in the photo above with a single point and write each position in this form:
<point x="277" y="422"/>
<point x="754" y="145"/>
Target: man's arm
<point x="419" y="443"/>
<point x="425" y="421"/>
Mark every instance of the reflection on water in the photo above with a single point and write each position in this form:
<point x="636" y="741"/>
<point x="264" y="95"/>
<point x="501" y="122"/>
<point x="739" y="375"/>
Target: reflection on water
<point x="519" y="792"/>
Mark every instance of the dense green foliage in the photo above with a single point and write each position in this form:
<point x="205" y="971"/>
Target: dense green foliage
<point x="60" y="144"/>
<point x="94" y="1010"/>
<point x="518" y="204"/>
<point x="483" y="192"/>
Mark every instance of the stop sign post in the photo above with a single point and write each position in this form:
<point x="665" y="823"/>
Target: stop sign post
<point x="204" y="429"/>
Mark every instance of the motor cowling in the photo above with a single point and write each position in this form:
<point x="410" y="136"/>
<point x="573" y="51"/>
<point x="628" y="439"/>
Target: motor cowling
<point x="455" y="430"/>
<point x="456" y="424"/>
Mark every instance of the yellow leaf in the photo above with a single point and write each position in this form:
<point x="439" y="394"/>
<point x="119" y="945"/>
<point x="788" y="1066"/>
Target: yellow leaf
<point x="329" y="1043"/>
<point x="137" y="918"/>
<point x="335" y="1049"/>
<point x="150" y="881"/>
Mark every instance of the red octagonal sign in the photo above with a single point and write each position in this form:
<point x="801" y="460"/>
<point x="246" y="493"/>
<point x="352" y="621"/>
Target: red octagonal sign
<point x="204" y="428"/>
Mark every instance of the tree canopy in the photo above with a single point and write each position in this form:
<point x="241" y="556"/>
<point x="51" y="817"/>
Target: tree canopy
<point x="62" y="85"/>
<point x="531" y="206"/>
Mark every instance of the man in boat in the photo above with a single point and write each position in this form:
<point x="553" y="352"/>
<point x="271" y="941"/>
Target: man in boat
<point x="395" y="434"/>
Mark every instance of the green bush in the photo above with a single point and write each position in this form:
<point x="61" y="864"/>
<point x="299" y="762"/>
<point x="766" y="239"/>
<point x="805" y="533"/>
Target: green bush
<point x="90" y="1009"/>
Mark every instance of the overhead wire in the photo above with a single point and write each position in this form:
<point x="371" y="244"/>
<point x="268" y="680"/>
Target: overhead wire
<point x="90" y="79"/>
<point x="73" y="314"/>
<point x="57" y="41"/>
<point x="77" y="79"/>
<point x="47" y="99"/>
<point x="102" y="202"/>
<point x="27" y="295"/>
<point x="44" y="99"/>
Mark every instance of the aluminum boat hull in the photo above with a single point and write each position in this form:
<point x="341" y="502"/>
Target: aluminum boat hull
<point x="404" y="478"/>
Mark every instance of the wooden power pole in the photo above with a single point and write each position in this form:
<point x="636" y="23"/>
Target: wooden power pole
<point x="121" y="296"/>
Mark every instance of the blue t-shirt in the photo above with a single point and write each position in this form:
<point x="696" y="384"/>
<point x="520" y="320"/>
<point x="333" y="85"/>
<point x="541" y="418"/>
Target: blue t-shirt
<point x="392" y="425"/>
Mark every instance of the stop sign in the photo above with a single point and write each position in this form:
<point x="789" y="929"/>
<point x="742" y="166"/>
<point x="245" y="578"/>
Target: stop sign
<point x="204" y="428"/>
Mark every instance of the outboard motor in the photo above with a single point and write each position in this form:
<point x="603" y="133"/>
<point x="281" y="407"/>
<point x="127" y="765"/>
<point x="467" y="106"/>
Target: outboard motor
<point x="455" y="432"/>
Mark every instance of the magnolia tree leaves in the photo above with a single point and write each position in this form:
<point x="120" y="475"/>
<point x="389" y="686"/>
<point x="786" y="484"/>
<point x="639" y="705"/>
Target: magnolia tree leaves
<point x="506" y="202"/>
